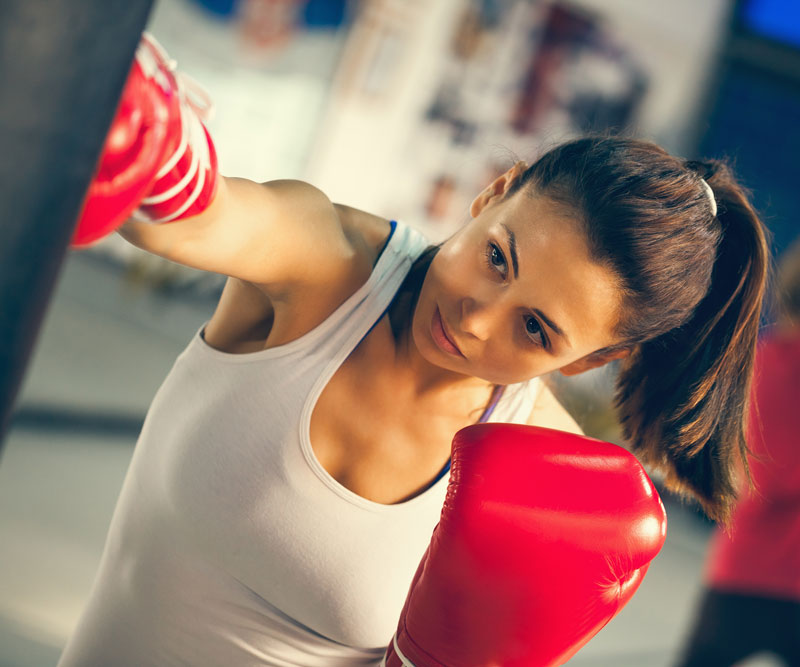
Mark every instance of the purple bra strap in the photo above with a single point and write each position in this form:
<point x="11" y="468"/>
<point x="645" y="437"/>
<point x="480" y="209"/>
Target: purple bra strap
<point x="497" y="394"/>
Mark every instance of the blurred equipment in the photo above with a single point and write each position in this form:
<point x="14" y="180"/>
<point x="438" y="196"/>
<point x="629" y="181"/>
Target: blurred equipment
<point x="63" y="67"/>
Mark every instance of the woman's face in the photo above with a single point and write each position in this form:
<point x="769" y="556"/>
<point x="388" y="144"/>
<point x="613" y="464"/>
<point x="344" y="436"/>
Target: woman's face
<point x="514" y="294"/>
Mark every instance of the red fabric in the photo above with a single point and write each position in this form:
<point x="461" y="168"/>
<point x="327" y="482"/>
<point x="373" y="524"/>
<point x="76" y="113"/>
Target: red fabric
<point x="762" y="554"/>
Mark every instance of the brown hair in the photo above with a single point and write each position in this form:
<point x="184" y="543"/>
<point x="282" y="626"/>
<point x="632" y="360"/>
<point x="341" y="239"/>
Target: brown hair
<point x="693" y="285"/>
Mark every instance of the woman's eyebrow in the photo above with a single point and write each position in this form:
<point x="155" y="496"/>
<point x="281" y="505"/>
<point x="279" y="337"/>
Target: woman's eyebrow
<point x="552" y="325"/>
<point x="512" y="248"/>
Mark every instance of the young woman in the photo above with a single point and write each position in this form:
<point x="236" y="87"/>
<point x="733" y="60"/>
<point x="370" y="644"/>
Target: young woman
<point x="294" y="462"/>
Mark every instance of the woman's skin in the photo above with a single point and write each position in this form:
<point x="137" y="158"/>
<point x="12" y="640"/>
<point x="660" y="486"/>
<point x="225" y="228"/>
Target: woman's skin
<point x="383" y="424"/>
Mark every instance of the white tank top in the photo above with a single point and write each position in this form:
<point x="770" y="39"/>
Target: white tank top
<point x="230" y="544"/>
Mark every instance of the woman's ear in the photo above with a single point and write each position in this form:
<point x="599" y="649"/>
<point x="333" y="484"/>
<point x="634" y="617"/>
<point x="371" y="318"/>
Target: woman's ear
<point x="594" y="360"/>
<point x="497" y="188"/>
<point x="516" y="171"/>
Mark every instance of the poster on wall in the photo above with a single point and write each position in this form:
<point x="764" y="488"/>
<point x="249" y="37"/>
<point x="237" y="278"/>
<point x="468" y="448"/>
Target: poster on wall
<point x="517" y="76"/>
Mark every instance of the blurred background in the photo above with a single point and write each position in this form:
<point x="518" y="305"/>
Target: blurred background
<point x="405" y="108"/>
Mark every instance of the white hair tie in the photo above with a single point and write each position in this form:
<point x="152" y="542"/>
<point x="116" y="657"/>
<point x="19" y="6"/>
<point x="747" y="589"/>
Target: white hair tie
<point x="711" y="199"/>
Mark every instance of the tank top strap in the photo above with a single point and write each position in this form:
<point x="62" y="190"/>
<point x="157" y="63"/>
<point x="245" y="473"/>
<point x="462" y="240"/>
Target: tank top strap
<point x="353" y="319"/>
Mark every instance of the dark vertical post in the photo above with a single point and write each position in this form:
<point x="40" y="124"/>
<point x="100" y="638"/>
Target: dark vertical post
<point x="63" y="65"/>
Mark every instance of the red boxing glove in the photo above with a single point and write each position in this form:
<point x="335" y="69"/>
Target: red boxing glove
<point x="544" y="536"/>
<point x="186" y="181"/>
<point x="158" y="156"/>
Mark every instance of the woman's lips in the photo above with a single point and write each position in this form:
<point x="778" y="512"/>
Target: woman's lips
<point x="440" y="335"/>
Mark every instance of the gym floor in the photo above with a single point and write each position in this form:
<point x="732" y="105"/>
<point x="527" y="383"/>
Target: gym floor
<point x="104" y="348"/>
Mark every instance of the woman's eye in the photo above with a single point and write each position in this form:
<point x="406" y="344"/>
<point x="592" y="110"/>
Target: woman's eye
<point x="495" y="257"/>
<point x="534" y="331"/>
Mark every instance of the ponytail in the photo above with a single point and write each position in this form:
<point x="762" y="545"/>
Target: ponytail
<point x="683" y="395"/>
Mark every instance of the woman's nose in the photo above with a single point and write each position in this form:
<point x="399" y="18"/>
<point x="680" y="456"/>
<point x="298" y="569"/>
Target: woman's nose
<point x="477" y="318"/>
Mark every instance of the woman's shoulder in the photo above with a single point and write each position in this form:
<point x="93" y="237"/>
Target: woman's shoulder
<point x="365" y="237"/>
<point x="308" y="304"/>
<point x="339" y="269"/>
<point x="366" y="233"/>
<point x="251" y="316"/>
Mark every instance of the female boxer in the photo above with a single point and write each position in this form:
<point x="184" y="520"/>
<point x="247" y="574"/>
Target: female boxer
<point x="294" y="462"/>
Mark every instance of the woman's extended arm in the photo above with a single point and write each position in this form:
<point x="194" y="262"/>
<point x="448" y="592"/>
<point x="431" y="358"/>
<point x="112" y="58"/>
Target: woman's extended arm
<point x="158" y="170"/>
<point x="275" y="233"/>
